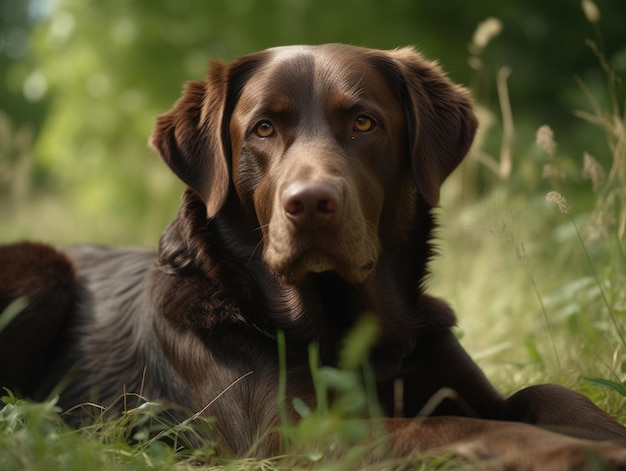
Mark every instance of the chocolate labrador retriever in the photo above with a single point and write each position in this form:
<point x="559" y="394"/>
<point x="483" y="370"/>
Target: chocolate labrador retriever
<point x="312" y="172"/>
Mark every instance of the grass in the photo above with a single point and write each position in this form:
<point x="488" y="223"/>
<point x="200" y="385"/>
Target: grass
<point x="538" y="286"/>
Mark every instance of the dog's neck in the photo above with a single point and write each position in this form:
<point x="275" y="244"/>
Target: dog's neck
<point x="324" y="306"/>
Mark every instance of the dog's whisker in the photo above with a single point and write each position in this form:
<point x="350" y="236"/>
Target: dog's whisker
<point x="253" y="252"/>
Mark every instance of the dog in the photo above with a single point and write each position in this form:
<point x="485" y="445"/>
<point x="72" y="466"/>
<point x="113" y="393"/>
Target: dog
<point x="312" y="173"/>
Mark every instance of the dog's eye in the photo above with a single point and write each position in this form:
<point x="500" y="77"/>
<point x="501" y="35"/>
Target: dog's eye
<point x="363" y="123"/>
<point x="264" y="129"/>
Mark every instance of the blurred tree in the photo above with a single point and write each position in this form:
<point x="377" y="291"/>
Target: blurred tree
<point x="18" y="65"/>
<point x="544" y="45"/>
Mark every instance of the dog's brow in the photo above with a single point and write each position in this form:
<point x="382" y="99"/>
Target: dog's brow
<point x="341" y="78"/>
<point x="275" y="103"/>
<point x="343" y="100"/>
<point x="257" y="102"/>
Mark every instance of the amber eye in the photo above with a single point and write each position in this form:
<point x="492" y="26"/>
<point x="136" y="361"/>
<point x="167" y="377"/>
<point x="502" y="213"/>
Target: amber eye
<point x="264" y="129"/>
<point x="363" y="123"/>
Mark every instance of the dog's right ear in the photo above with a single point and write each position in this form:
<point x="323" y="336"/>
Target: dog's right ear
<point x="188" y="138"/>
<point x="192" y="138"/>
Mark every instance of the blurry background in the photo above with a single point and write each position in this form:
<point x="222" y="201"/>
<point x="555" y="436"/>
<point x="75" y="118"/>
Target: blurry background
<point x="81" y="82"/>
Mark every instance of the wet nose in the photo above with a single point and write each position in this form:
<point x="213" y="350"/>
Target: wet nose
<point x="312" y="204"/>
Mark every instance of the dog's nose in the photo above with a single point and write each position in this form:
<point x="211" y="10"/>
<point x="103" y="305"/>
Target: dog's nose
<point x="311" y="204"/>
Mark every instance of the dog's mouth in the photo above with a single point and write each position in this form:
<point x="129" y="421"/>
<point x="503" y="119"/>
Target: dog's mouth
<point x="296" y="267"/>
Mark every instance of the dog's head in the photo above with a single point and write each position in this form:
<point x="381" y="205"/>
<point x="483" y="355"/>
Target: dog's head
<point x="328" y="147"/>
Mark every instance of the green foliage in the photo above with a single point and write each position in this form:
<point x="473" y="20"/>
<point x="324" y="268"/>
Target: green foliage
<point x="332" y="431"/>
<point x="346" y="432"/>
<point x="33" y="436"/>
<point x="619" y="387"/>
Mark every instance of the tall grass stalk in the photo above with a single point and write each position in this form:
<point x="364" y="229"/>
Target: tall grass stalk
<point x="282" y="387"/>
<point x="594" y="273"/>
<point x="560" y="201"/>
<point x="522" y="257"/>
<point x="544" y="313"/>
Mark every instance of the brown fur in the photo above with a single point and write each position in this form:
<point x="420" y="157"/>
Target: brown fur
<point x="46" y="277"/>
<point x="311" y="173"/>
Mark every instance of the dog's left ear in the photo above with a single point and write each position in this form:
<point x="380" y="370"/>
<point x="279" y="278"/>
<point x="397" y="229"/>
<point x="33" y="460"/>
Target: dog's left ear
<point x="440" y="118"/>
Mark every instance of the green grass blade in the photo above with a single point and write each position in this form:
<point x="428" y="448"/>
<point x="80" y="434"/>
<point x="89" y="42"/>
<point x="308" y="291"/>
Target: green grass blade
<point x="11" y="312"/>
